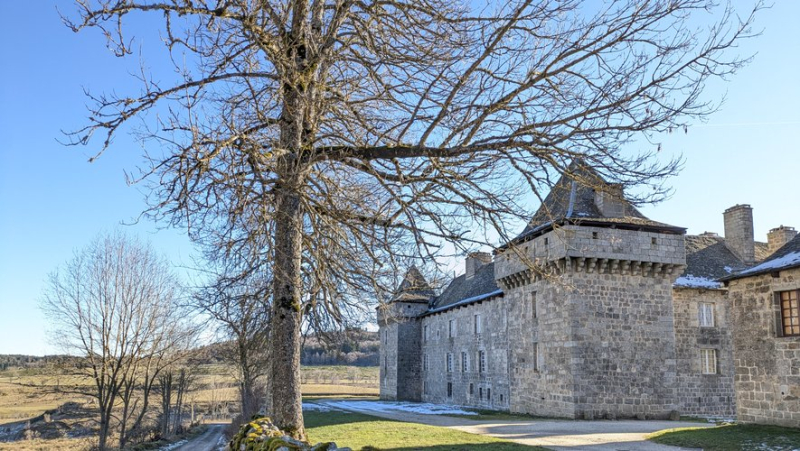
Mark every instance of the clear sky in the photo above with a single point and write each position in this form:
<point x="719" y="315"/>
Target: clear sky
<point x="52" y="201"/>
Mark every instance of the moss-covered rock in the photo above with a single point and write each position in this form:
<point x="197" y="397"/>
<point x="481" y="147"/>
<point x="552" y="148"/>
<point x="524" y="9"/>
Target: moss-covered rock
<point x="262" y="435"/>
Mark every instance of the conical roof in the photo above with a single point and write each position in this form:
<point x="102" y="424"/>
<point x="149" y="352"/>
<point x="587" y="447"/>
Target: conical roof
<point x="413" y="288"/>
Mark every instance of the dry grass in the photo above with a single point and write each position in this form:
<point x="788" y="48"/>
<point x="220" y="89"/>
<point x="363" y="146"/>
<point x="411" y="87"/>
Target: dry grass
<point x="68" y="444"/>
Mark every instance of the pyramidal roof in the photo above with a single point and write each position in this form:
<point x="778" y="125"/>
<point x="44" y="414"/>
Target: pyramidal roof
<point x="574" y="199"/>
<point x="413" y="288"/>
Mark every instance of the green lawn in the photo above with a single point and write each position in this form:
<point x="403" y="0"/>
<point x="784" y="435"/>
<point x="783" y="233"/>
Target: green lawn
<point x="732" y="437"/>
<point x="364" y="432"/>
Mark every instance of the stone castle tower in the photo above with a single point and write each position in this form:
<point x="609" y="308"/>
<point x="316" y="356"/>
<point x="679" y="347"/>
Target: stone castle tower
<point x="573" y="318"/>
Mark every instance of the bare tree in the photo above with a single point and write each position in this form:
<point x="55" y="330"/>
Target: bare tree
<point x="346" y="133"/>
<point x="239" y="305"/>
<point x="115" y="304"/>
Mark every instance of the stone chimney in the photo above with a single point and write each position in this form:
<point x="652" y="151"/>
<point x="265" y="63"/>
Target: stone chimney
<point x="475" y="260"/>
<point x="739" y="232"/>
<point x="779" y="236"/>
<point x="610" y="201"/>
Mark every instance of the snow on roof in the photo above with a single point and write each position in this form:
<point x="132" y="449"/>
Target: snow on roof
<point x="690" y="281"/>
<point x="467" y="301"/>
<point x="786" y="261"/>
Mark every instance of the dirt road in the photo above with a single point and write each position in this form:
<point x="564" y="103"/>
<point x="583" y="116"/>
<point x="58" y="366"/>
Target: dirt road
<point x="210" y="440"/>
<point x="566" y="435"/>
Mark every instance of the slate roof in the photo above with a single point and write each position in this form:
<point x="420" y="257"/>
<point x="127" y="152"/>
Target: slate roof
<point x="414" y="288"/>
<point x="786" y="257"/>
<point x="461" y="288"/>
<point x="707" y="259"/>
<point x="572" y="199"/>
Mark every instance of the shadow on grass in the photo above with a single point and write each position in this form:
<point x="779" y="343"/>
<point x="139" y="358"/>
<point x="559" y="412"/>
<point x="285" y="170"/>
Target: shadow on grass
<point x="314" y="419"/>
<point x="734" y="437"/>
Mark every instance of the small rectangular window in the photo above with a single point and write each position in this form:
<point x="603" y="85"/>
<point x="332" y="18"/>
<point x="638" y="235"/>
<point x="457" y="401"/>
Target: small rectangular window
<point x="594" y="235"/>
<point x="477" y="324"/>
<point x="488" y="394"/>
<point x="536" y="357"/>
<point x="533" y="305"/>
<point x="705" y="313"/>
<point x="471" y="389"/>
<point x="653" y="240"/>
<point x="790" y="313"/>
<point x="708" y="361"/>
<point x="449" y="389"/>
<point x="452" y="328"/>
<point x="463" y="362"/>
<point x="425" y="334"/>
<point x="425" y="362"/>
<point x="481" y="361"/>
<point x="480" y="392"/>
<point x="449" y="362"/>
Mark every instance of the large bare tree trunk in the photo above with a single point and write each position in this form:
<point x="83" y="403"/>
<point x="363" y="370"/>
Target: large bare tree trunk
<point x="286" y="397"/>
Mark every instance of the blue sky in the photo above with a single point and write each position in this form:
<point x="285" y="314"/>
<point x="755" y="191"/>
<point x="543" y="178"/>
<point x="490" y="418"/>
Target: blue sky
<point x="52" y="201"/>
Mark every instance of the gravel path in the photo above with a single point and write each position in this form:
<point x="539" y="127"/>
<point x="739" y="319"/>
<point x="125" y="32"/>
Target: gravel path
<point x="566" y="435"/>
<point x="210" y="440"/>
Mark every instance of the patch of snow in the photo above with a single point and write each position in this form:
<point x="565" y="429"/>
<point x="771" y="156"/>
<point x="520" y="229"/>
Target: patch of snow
<point x="314" y="407"/>
<point x="386" y="406"/>
<point x="173" y="445"/>
<point x="728" y="269"/>
<point x="691" y="281"/>
<point x="582" y="213"/>
<point x="789" y="259"/>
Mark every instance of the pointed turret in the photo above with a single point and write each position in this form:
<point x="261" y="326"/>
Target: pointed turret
<point x="413" y="288"/>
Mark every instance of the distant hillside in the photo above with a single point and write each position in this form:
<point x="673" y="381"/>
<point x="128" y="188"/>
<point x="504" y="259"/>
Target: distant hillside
<point x="353" y="347"/>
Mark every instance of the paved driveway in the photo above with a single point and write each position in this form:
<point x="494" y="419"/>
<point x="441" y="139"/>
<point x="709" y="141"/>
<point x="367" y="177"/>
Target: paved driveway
<point x="622" y="435"/>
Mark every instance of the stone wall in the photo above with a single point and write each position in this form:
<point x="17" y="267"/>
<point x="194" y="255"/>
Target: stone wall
<point x="399" y="329"/>
<point x="767" y="380"/>
<point x="489" y="387"/>
<point x="541" y="351"/>
<point x="698" y="393"/>
<point x="624" y="361"/>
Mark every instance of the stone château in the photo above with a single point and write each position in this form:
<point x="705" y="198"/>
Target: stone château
<point x="593" y="311"/>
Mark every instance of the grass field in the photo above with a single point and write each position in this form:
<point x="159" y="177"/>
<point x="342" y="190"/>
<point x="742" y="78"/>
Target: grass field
<point x="732" y="438"/>
<point x="364" y="432"/>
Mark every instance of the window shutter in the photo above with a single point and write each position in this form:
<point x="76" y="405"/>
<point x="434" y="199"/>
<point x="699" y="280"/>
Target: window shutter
<point x="776" y="297"/>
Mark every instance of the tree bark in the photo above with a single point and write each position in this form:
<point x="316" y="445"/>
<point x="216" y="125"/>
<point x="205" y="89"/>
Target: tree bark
<point x="286" y="396"/>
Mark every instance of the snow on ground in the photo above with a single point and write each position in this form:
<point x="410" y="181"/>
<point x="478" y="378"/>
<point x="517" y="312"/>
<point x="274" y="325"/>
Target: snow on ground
<point x="386" y="406"/>
<point x="314" y="407"/>
<point x="697" y="282"/>
<point x="172" y="446"/>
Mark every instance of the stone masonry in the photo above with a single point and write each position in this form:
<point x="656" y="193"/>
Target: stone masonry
<point x="767" y="365"/>
<point x="595" y="311"/>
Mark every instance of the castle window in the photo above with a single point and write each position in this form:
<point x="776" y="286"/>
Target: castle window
<point x="481" y="361"/>
<point x="546" y="241"/>
<point x="536" y="363"/>
<point x="425" y="334"/>
<point x="480" y="392"/>
<point x="449" y="389"/>
<point x="488" y="394"/>
<point x="533" y="305"/>
<point x="425" y="362"/>
<point x="594" y="235"/>
<point x="653" y="240"/>
<point x="463" y="362"/>
<point x="790" y="313"/>
<point x="471" y="389"/>
<point x="449" y="362"/>
<point x="452" y="328"/>
<point x="708" y="361"/>
<point x="477" y="324"/>
<point x="705" y="312"/>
